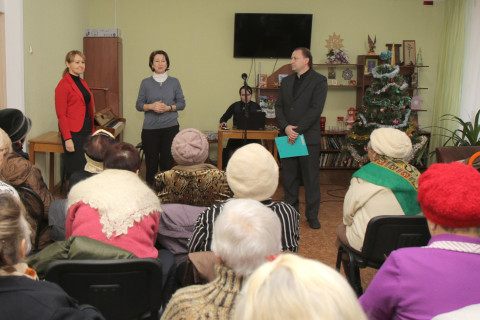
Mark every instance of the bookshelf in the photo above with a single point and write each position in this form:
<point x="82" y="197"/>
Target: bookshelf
<point x="331" y="155"/>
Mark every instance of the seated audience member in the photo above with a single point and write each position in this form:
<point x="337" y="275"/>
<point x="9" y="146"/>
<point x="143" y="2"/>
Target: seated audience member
<point x="118" y="208"/>
<point x="21" y="295"/>
<point x="294" y="288"/>
<point x="17" y="171"/>
<point x="420" y="283"/>
<point x="6" y="188"/>
<point x="246" y="234"/>
<point x="386" y="186"/>
<point x="235" y="110"/>
<point x="17" y="126"/>
<point x="251" y="173"/>
<point x="191" y="181"/>
<point x="94" y="147"/>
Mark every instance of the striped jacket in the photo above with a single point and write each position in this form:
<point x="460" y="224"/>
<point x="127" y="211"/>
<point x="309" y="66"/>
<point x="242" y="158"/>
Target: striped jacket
<point x="202" y="236"/>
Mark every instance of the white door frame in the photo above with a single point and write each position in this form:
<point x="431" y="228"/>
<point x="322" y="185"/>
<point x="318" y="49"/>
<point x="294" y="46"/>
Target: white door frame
<point x="14" y="53"/>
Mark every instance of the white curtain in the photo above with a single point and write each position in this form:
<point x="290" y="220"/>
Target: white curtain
<point x="470" y="99"/>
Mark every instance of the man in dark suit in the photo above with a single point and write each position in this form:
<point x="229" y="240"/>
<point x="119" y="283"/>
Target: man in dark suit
<point x="298" y="109"/>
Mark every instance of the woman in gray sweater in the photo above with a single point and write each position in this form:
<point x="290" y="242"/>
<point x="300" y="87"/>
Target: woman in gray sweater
<point x="160" y="97"/>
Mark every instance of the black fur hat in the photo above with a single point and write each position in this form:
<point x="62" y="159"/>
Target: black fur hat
<point x="15" y="124"/>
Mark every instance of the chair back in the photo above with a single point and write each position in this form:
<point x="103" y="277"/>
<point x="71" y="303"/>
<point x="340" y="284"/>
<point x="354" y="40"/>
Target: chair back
<point x="24" y="193"/>
<point x="387" y="233"/>
<point x="120" y="288"/>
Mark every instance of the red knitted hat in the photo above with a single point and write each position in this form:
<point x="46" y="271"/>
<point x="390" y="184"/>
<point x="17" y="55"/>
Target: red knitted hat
<point x="449" y="195"/>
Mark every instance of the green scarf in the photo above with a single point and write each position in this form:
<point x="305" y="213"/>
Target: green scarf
<point x="398" y="176"/>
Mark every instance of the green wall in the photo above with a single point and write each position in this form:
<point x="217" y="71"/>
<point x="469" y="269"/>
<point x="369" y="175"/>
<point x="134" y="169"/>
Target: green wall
<point x="198" y="36"/>
<point x="51" y="29"/>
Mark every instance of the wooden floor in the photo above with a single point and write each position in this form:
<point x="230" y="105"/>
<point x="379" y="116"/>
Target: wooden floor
<point x="315" y="244"/>
<point x="320" y="244"/>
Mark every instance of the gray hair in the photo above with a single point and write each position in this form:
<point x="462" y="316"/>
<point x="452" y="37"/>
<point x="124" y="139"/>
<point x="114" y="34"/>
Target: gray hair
<point x="246" y="232"/>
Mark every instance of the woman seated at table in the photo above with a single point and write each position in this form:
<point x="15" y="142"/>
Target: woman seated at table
<point x="192" y="181"/>
<point x="235" y="110"/>
<point x="17" y="171"/>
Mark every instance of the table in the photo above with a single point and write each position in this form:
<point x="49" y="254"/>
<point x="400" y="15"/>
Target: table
<point x="251" y="135"/>
<point x="48" y="142"/>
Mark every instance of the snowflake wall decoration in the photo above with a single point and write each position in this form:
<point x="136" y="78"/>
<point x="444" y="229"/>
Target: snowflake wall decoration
<point x="334" y="42"/>
<point x="347" y="74"/>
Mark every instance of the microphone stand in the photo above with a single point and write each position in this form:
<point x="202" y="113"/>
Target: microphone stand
<point x="246" y="111"/>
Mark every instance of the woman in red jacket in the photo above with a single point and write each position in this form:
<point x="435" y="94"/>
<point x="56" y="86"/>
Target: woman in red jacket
<point x="74" y="107"/>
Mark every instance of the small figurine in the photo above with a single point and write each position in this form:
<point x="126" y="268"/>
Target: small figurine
<point x="371" y="45"/>
<point x="350" y="118"/>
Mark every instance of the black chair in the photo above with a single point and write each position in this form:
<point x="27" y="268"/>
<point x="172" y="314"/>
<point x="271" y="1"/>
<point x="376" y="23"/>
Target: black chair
<point x="139" y="146"/>
<point x="120" y="289"/>
<point x="25" y="192"/>
<point x="383" y="235"/>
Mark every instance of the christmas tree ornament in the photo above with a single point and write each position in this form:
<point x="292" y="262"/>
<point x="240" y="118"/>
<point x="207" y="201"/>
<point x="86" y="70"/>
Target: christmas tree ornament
<point x="385" y="55"/>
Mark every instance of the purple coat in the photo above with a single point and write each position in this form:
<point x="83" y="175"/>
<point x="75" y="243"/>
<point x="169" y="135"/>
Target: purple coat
<point x="420" y="283"/>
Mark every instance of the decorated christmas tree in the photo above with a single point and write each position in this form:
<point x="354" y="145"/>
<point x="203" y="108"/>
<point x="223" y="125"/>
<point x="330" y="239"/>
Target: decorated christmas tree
<point x="386" y="104"/>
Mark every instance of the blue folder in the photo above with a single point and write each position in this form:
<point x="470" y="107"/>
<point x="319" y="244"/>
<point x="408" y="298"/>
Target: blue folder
<point x="287" y="150"/>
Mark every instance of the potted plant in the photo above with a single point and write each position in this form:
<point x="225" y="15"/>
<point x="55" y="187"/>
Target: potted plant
<point x="467" y="133"/>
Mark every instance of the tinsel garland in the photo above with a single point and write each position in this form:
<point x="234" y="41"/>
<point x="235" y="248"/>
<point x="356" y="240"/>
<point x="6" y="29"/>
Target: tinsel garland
<point x="364" y="159"/>
<point x="400" y="125"/>
<point x="355" y="136"/>
<point x="360" y="159"/>
<point x="391" y="84"/>
<point x="416" y="147"/>
<point x="384" y="103"/>
<point x="392" y="74"/>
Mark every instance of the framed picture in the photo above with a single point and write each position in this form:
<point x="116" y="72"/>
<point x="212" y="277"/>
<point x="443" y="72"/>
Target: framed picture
<point x="409" y="53"/>
<point x="334" y="83"/>
<point x="262" y="80"/>
<point x="280" y="78"/>
<point x="332" y="73"/>
<point x="369" y="65"/>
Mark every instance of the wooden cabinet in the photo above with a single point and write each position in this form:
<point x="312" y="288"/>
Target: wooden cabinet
<point x="104" y="70"/>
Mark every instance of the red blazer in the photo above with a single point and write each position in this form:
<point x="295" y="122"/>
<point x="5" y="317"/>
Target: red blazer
<point x="70" y="106"/>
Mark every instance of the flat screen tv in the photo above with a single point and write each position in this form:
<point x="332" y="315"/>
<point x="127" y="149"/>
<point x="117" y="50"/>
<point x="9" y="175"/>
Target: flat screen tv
<point x="270" y="35"/>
